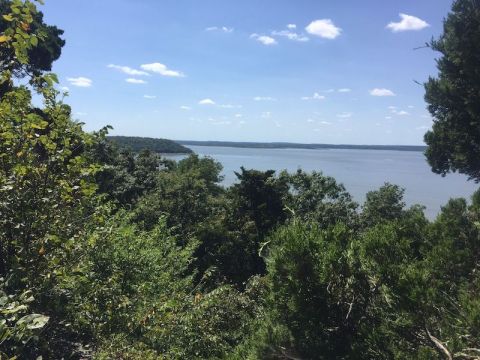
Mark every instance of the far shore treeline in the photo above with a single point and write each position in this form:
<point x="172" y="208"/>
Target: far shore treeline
<point x="159" y="146"/>
<point x="104" y="254"/>
<point x="288" y="145"/>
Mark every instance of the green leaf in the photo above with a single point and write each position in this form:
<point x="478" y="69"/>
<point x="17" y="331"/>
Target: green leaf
<point x="34" y="321"/>
<point x="34" y="40"/>
<point x="8" y="17"/>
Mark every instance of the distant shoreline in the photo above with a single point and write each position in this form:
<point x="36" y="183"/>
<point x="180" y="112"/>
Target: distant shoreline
<point x="287" y="145"/>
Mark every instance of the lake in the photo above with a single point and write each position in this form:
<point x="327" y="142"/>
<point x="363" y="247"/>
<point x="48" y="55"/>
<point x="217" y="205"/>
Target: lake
<point x="358" y="170"/>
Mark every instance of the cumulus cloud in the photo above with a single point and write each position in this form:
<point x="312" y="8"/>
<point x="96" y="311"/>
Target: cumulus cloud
<point x="408" y="23"/>
<point x="80" y="81"/>
<point x="381" y="92"/>
<point x="345" y="115"/>
<point x="291" y="35"/>
<point x="324" y="28"/>
<point x="230" y="106"/>
<point x="264" y="98"/>
<point x="128" y="70"/>
<point x="264" y="39"/>
<point x="135" y="81"/>
<point x="161" y="69"/>
<point x="206" y="102"/>
<point x="224" y="29"/>
<point x="291" y="26"/>
<point x="315" y="96"/>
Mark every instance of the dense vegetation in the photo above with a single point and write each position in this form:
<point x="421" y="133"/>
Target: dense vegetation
<point x="453" y="96"/>
<point x="107" y="254"/>
<point x="160" y="146"/>
<point x="285" y="145"/>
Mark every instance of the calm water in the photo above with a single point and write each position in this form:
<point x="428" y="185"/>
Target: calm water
<point x="359" y="170"/>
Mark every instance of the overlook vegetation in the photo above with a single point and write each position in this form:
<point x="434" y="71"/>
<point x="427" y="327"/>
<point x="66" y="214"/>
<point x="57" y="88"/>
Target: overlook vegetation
<point x="107" y="255"/>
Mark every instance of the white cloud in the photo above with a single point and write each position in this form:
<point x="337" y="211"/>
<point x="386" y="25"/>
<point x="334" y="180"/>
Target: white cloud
<point x="381" y="92"/>
<point x="224" y="29"/>
<point x="161" y="69"/>
<point x="424" y="127"/>
<point x="408" y="23"/>
<point x="135" y="81"/>
<point x="242" y="122"/>
<point x="402" y="113"/>
<point x="80" y="81"/>
<point x="230" y="106"/>
<point x="291" y="35"/>
<point x="81" y="113"/>
<point x="183" y="107"/>
<point x="264" y="39"/>
<point x="238" y="116"/>
<point x="266" y="115"/>
<point x="64" y="88"/>
<point x="392" y="108"/>
<point x="388" y="117"/>
<point x="324" y="28"/>
<point x="310" y="120"/>
<point x="345" y="115"/>
<point x="206" y="102"/>
<point x="264" y="98"/>
<point x="325" y="123"/>
<point x="344" y="90"/>
<point x="149" y="96"/>
<point x="316" y="96"/>
<point x="291" y="26"/>
<point x="411" y="106"/>
<point x="128" y="70"/>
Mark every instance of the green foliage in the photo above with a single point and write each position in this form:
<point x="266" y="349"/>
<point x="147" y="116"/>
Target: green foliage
<point x="46" y="184"/>
<point x="27" y="45"/>
<point x="454" y="96"/>
<point x="109" y="254"/>
<point x="18" y="327"/>
<point x="317" y="197"/>
<point x="317" y="295"/>
<point x="161" y="146"/>
<point x="186" y="195"/>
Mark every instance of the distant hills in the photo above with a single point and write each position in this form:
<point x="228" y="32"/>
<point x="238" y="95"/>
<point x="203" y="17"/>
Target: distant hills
<point x="165" y="146"/>
<point x="286" y="145"/>
<point x="138" y="144"/>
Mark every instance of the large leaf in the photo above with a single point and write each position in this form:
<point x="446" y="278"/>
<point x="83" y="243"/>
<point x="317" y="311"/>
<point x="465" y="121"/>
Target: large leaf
<point x="34" y="321"/>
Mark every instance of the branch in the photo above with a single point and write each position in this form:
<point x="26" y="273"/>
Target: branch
<point x="442" y="348"/>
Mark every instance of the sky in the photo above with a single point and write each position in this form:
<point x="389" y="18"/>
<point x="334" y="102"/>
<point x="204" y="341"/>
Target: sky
<point x="307" y="71"/>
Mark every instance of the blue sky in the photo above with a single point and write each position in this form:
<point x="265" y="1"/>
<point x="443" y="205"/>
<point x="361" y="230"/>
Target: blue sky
<point x="265" y="70"/>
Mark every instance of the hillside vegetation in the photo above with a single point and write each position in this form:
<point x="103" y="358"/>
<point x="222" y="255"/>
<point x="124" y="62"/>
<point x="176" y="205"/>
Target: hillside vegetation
<point x="104" y="254"/>
<point x="161" y="146"/>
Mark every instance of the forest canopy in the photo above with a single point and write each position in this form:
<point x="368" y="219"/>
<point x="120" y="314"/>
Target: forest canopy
<point x="160" y="146"/>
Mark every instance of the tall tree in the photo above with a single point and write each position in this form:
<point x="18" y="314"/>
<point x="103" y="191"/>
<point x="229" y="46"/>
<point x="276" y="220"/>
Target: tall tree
<point x="454" y="96"/>
<point x="45" y="39"/>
